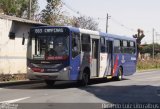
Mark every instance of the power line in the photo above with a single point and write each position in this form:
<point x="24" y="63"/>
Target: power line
<point x="99" y="18"/>
<point x="122" y="25"/>
<point x="70" y="8"/>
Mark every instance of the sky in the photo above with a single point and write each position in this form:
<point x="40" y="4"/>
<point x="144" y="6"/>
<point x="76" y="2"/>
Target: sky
<point x="126" y="16"/>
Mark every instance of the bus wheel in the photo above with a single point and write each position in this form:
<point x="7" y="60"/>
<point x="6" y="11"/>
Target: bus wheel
<point x="120" y="74"/>
<point x="50" y="83"/>
<point x="85" y="79"/>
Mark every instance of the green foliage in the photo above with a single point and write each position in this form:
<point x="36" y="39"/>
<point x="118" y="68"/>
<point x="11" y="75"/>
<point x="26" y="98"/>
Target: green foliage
<point x="8" y="6"/>
<point x="148" y="48"/>
<point x="18" y="8"/>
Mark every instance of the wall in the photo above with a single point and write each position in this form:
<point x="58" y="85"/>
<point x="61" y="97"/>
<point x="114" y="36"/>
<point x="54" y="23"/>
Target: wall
<point x="12" y="52"/>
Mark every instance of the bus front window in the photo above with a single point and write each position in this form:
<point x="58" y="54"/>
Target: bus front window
<point x="49" y="47"/>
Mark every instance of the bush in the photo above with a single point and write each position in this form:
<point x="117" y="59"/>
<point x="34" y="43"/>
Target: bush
<point x="148" y="64"/>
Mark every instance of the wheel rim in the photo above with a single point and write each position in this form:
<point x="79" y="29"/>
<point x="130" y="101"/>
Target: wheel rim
<point x="120" y="74"/>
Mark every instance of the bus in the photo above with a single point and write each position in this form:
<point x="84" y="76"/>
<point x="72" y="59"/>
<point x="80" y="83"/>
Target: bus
<point x="56" y="53"/>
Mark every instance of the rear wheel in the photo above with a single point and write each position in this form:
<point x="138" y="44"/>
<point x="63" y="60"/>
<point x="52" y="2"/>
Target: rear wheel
<point x="50" y="83"/>
<point x="119" y="76"/>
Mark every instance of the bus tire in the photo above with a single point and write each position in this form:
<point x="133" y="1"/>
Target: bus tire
<point x="120" y="74"/>
<point x="85" y="79"/>
<point x="50" y="83"/>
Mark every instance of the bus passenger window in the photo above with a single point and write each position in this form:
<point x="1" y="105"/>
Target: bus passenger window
<point x="117" y="46"/>
<point x="86" y="44"/>
<point x="132" y="46"/>
<point x="124" y="47"/>
<point x="103" y="47"/>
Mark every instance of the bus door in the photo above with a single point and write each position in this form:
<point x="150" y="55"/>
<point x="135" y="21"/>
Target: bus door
<point x="95" y="52"/>
<point x="109" y="45"/>
<point x="106" y="55"/>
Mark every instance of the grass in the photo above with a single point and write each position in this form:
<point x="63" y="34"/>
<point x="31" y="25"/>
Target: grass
<point x="148" y="64"/>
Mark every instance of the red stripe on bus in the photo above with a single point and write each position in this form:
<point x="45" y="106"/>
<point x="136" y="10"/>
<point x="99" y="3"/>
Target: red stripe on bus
<point x="115" y="66"/>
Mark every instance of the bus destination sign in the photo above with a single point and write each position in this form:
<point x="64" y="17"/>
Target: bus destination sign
<point x="48" y="30"/>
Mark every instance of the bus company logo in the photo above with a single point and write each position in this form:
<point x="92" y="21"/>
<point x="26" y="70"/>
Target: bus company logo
<point x="133" y="58"/>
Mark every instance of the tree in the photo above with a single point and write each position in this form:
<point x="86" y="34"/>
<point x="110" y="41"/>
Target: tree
<point x="148" y="48"/>
<point x="34" y="9"/>
<point x="8" y="6"/>
<point x="52" y="14"/>
<point x="139" y="36"/>
<point x="18" y="8"/>
<point x="85" y="22"/>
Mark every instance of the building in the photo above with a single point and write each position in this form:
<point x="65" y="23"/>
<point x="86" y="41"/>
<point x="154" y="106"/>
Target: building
<point x="12" y="52"/>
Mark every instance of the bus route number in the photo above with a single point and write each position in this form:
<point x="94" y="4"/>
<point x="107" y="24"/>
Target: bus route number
<point x="38" y="30"/>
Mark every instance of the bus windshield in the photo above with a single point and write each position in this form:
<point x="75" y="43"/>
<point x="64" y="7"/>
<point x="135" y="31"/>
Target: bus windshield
<point x="48" y="47"/>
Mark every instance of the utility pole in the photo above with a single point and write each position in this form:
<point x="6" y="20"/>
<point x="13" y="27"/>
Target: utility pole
<point x="157" y="38"/>
<point x="107" y="22"/>
<point x="153" y="43"/>
<point x="29" y="9"/>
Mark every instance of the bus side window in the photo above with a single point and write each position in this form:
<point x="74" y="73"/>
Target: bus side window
<point x="124" y="47"/>
<point x="86" y="43"/>
<point x="75" y="44"/>
<point x="116" y="46"/>
<point x="132" y="46"/>
<point x="103" y="47"/>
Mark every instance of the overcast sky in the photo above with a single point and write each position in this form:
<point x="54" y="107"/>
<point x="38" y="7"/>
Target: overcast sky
<point x="126" y="15"/>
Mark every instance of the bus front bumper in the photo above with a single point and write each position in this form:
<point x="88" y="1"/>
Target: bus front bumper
<point x="61" y="75"/>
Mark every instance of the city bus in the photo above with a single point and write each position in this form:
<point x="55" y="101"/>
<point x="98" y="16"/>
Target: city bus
<point x="68" y="53"/>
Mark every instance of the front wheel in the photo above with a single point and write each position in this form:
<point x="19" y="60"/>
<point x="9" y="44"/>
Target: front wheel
<point x="85" y="79"/>
<point x="50" y="83"/>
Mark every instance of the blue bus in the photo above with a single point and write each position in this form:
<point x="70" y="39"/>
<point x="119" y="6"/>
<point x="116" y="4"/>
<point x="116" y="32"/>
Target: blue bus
<point x="68" y="53"/>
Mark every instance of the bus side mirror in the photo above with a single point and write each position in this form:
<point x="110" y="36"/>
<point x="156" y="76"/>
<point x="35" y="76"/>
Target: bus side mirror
<point x="23" y="40"/>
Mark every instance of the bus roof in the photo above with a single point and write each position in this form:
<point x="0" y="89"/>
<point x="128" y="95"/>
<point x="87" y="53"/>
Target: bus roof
<point x="97" y="33"/>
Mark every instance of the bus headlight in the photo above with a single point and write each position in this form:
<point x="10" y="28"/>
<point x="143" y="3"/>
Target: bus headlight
<point x="28" y="68"/>
<point x="67" y="68"/>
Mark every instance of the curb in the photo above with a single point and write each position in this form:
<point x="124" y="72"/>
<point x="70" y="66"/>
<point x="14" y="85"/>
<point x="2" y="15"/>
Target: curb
<point x="14" y="83"/>
<point x="147" y="70"/>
